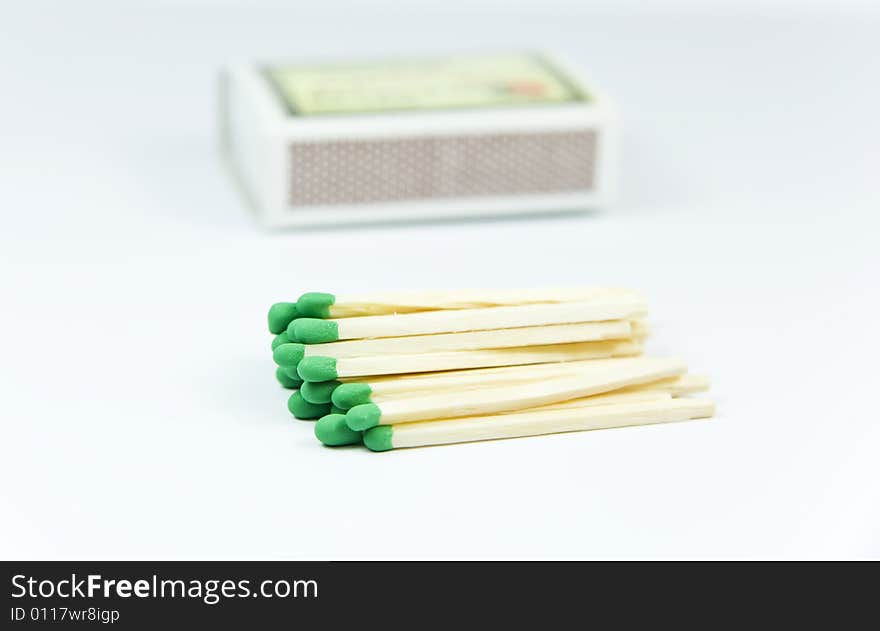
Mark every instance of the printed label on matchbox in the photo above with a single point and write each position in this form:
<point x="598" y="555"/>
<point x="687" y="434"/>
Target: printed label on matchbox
<point x="447" y="83"/>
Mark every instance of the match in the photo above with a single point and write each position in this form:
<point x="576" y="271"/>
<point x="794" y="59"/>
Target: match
<point x="409" y="369"/>
<point x="281" y="314"/>
<point x="281" y="338"/>
<point x="318" y="331"/>
<point x="332" y="431"/>
<point x="348" y="395"/>
<point x="327" y="305"/>
<point x="376" y="389"/>
<point x="302" y="409"/>
<point x="318" y="391"/>
<point x="534" y="423"/>
<point x="471" y="340"/>
<point x="330" y="368"/>
<point x="284" y="378"/>
<point x="582" y="382"/>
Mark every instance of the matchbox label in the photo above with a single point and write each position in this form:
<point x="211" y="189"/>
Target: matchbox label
<point x="446" y="83"/>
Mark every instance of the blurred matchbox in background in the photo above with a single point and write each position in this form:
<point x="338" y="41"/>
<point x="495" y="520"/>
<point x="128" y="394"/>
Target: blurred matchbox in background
<point x="424" y="138"/>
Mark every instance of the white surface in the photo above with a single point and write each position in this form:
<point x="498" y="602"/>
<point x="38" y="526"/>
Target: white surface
<point x="140" y="415"/>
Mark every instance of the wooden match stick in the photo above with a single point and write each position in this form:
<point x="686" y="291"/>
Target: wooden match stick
<point x="347" y="395"/>
<point x="675" y="386"/>
<point x="608" y="398"/>
<point x="588" y="379"/>
<point x="377" y="389"/>
<point x="330" y="368"/>
<point x="333" y="431"/>
<point x="317" y="331"/>
<point x="326" y="305"/>
<point x="470" y="340"/>
<point x="640" y="328"/>
<point x="534" y="423"/>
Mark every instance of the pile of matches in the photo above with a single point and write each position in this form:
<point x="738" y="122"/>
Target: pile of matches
<point x="432" y="368"/>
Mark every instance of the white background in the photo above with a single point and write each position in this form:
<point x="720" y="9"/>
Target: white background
<point x="140" y="416"/>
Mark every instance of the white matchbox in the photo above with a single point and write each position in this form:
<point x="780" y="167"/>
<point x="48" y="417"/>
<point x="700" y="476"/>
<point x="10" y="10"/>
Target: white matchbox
<point x="410" y="139"/>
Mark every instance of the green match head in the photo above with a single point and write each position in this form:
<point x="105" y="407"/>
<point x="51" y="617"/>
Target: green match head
<point x="288" y="354"/>
<point x="280" y="315"/>
<point x="315" y="304"/>
<point x="285" y="379"/>
<point x="280" y="339"/>
<point x="318" y="392"/>
<point x="336" y="410"/>
<point x="313" y="330"/>
<point x="302" y="409"/>
<point x="379" y="438"/>
<point x="333" y="432"/>
<point x="364" y="416"/>
<point x="348" y="395"/>
<point x="317" y="369"/>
